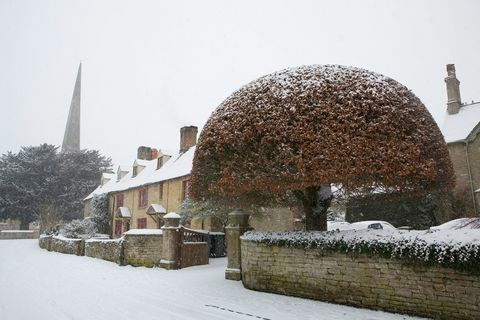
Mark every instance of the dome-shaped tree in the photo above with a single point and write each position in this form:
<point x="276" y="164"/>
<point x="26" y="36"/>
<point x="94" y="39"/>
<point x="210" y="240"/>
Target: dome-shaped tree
<point x="293" y="133"/>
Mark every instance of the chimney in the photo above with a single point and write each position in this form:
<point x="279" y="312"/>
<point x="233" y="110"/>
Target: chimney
<point x="154" y="154"/>
<point x="453" y="90"/>
<point x="188" y="138"/>
<point x="144" y="153"/>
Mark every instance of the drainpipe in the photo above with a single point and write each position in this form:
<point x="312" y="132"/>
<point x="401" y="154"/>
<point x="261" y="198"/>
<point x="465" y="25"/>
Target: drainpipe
<point x="472" y="189"/>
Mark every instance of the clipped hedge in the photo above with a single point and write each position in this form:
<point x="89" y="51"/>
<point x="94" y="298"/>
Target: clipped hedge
<point x="457" y="249"/>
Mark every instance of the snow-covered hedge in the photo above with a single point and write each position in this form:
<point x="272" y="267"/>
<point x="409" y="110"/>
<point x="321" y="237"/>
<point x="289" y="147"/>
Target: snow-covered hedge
<point x="459" y="249"/>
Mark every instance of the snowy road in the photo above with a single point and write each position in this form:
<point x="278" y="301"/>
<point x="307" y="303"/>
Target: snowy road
<point x="37" y="284"/>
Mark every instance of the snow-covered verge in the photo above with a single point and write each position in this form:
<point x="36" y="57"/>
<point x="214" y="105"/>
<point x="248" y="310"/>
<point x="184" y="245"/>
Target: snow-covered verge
<point x="37" y="284"/>
<point x="458" y="249"/>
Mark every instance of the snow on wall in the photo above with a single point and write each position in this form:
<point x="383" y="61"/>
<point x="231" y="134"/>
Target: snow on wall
<point x="453" y="248"/>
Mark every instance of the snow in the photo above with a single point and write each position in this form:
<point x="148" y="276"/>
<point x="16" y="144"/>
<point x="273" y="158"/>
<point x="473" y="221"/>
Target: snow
<point x="123" y="212"/>
<point x="177" y="166"/>
<point x="461" y="223"/>
<point x="17" y="231"/>
<point x="457" y="127"/>
<point x="172" y="215"/>
<point x="144" y="232"/>
<point x="37" y="284"/>
<point x="455" y="248"/>
<point x="156" y="208"/>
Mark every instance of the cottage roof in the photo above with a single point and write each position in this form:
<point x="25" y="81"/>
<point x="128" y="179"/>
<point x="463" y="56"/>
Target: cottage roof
<point x="178" y="166"/>
<point x="457" y="127"/>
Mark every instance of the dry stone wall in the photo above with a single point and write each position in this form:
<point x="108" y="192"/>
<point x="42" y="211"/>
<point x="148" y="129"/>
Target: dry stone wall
<point x="369" y="282"/>
<point x="44" y="242"/>
<point x="103" y="249"/>
<point x="68" y="246"/>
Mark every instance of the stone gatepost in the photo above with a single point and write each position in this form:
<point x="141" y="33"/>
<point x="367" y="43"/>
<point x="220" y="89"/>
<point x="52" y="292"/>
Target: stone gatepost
<point x="171" y="242"/>
<point x="237" y="225"/>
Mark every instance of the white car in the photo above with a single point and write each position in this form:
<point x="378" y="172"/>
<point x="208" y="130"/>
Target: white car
<point x="338" y="225"/>
<point x="462" y="223"/>
<point x="377" y="225"/>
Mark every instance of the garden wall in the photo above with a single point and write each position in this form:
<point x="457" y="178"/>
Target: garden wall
<point x="45" y="242"/>
<point x="143" y="248"/>
<point x="361" y="281"/>
<point x="68" y="246"/>
<point x="18" y="234"/>
<point x="105" y="249"/>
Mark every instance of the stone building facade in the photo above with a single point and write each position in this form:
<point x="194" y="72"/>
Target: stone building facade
<point x="460" y="129"/>
<point x="139" y="196"/>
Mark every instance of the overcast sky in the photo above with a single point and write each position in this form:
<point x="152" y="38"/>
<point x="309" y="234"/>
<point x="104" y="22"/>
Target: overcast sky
<point x="151" y="67"/>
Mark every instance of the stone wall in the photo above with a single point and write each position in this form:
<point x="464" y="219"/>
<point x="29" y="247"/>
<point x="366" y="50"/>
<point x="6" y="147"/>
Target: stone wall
<point x="18" y="234"/>
<point x="105" y="249"/>
<point x="10" y="224"/>
<point x="363" y="281"/>
<point x="276" y="219"/>
<point x="464" y="169"/>
<point x="142" y="250"/>
<point x="194" y="254"/>
<point x="45" y="242"/>
<point x="68" y="246"/>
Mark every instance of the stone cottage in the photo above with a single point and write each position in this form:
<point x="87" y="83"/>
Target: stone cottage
<point x="155" y="184"/>
<point x="460" y="129"/>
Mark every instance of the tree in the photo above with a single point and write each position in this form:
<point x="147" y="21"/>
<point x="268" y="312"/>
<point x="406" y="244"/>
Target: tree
<point x="40" y="181"/>
<point x="289" y="136"/>
<point x="99" y="215"/>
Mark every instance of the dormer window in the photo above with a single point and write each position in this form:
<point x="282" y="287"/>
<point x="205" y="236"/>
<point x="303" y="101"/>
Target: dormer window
<point x="135" y="171"/>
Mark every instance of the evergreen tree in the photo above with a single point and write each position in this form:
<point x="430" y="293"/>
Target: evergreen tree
<point x="39" y="177"/>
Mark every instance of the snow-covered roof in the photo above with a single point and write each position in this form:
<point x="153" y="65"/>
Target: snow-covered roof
<point x="141" y="162"/>
<point x="457" y="127"/>
<point x="156" y="208"/>
<point x="123" y="212"/>
<point x="177" y="166"/>
<point x="144" y="232"/>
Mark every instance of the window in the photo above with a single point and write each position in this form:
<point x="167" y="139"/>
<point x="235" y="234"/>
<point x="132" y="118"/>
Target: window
<point x="160" y="191"/>
<point x="141" y="223"/>
<point x="118" y="227"/>
<point x="143" y="198"/>
<point x="119" y="200"/>
<point x="185" y="184"/>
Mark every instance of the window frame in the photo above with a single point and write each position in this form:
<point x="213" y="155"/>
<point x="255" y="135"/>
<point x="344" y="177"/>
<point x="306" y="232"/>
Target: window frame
<point x="143" y="198"/>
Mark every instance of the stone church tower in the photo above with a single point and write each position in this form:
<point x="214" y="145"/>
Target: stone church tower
<point x="71" y="139"/>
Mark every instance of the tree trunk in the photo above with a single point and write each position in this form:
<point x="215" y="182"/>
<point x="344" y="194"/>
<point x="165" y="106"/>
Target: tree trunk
<point x="316" y="201"/>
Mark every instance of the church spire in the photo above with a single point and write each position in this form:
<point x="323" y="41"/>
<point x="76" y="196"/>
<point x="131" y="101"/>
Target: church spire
<point x="71" y="139"/>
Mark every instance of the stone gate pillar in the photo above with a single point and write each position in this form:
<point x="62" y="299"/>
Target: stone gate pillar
<point x="237" y="225"/>
<point x="171" y="242"/>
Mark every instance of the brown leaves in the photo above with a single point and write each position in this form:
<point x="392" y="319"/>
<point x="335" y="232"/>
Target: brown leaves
<point x="319" y="124"/>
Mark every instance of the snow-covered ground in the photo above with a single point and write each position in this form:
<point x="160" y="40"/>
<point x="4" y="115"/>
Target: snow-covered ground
<point x="37" y="284"/>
